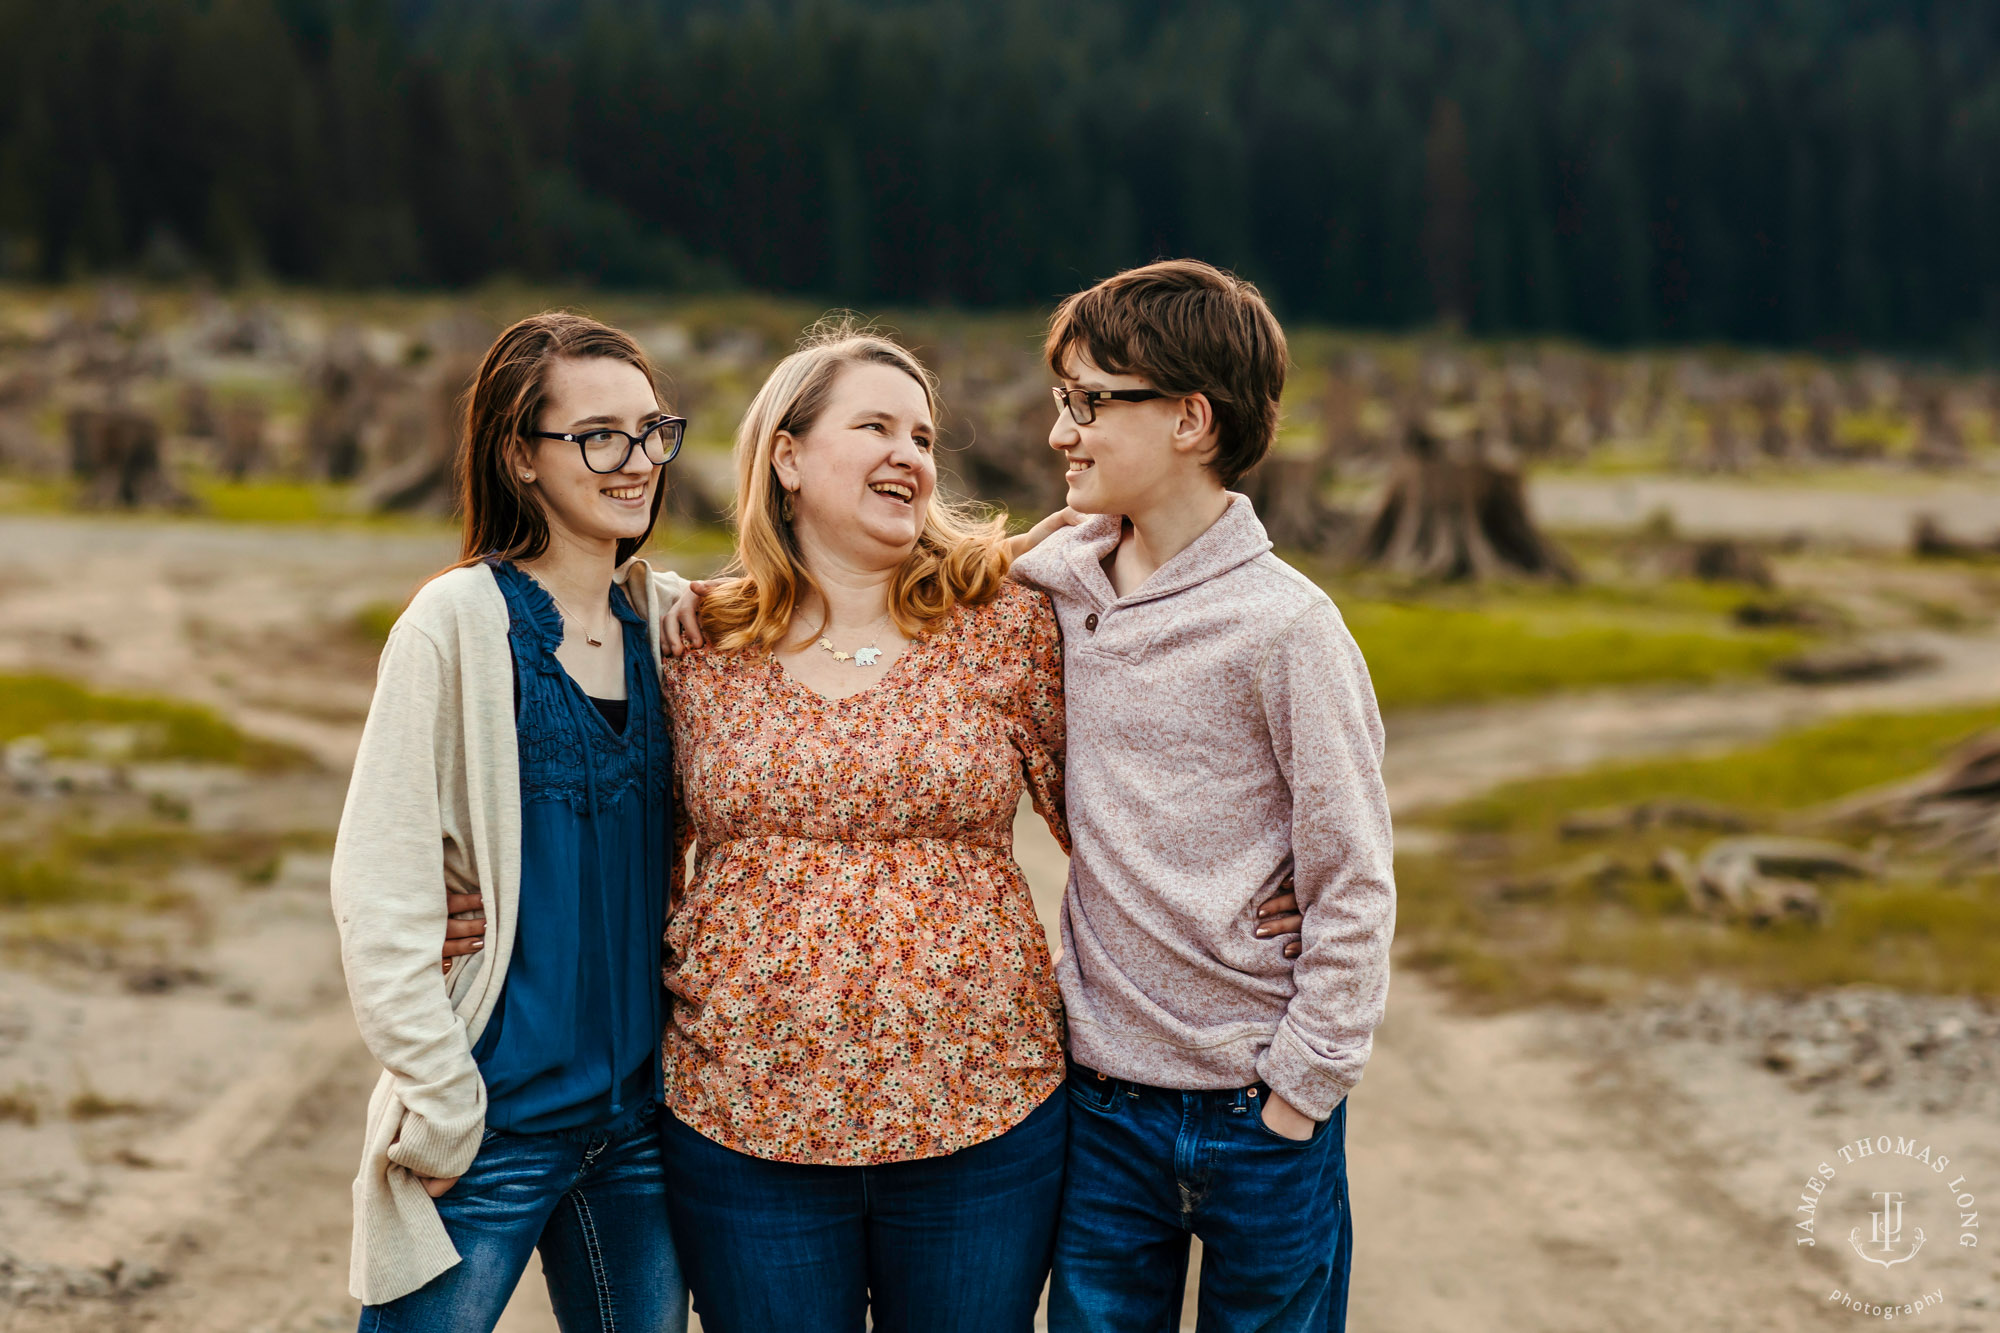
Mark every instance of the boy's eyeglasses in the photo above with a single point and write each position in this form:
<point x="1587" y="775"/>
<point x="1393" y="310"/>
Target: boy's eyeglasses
<point x="1082" y="403"/>
<point x="605" y="449"/>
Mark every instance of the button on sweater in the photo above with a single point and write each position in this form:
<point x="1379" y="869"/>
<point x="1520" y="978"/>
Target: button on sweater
<point x="1223" y="736"/>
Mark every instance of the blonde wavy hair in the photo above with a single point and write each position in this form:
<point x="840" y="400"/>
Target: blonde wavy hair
<point x="960" y="557"/>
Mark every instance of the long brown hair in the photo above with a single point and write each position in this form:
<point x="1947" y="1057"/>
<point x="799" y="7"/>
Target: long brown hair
<point x="960" y="557"/>
<point x="502" y="515"/>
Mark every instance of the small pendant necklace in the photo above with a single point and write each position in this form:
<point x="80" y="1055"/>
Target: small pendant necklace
<point x="571" y="618"/>
<point x="861" y="657"/>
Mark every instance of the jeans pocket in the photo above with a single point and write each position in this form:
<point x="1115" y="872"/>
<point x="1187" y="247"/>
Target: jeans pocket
<point x="1093" y="1092"/>
<point x="1256" y="1117"/>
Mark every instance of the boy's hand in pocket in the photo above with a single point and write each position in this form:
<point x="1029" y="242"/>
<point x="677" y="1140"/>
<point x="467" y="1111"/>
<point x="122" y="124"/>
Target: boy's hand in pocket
<point x="1287" y="1121"/>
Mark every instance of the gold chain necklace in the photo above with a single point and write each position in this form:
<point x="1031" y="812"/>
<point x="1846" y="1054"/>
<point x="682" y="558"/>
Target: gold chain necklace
<point x="569" y="617"/>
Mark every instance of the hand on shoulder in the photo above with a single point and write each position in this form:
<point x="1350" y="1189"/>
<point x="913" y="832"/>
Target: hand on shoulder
<point x="1019" y="546"/>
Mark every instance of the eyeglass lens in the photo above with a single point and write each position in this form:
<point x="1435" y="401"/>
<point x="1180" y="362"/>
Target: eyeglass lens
<point x="1081" y="410"/>
<point x="607" y="450"/>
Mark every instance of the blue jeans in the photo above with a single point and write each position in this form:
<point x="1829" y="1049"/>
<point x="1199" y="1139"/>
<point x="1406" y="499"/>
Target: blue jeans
<point x="952" y="1244"/>
<point x="594" y="1203"/>
<point x="1150" y="1167"/>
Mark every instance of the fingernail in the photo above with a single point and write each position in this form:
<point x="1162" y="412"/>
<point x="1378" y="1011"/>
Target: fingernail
<point x="1263" y="932"/>
<point x="479" y="944"/>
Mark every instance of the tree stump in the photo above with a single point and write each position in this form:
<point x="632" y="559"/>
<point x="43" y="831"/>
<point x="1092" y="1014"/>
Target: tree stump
<point x="1457" y="513"/>
<point x="1940" y="443"/>
<point x="241" y="448"/>
<point x="1286" y="492"/>
<point x="348" y="390"/>
<point x="425" y="423"/>
<point x="1767" y="400"/>
<point x="115" y="453"/>
<point x="1822" y="439"/>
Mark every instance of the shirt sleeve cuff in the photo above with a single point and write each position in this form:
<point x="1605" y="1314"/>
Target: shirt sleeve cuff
<point x="1292" y="1071"/>
<point x="440" y="1150"/>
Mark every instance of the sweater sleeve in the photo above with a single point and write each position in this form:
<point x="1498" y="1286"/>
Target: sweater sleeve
<point x="1327" y="736"/>
<point x="389" y="902"/>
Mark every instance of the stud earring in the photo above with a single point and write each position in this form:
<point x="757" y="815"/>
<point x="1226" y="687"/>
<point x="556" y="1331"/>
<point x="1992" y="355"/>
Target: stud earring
<point x="527" y="476"/>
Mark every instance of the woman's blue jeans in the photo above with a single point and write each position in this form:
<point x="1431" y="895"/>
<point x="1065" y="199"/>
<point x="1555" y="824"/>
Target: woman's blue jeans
<point x="592" y="1201"/>
<point x="952" y="1244"/>
<point x="1151" y="1167"/>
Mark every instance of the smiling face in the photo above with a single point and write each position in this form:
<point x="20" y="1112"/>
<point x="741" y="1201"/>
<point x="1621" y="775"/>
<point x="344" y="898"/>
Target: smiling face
<point x="1133" y="456"/>
<point x="863" y="473"/>
<point x="594" y="507"/>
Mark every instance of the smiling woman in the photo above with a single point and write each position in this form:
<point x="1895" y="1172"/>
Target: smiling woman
<point x="864" y="1066"/>
<point x="837" y="452"/>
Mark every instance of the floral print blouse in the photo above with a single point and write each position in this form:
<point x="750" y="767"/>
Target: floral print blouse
<point x="858" y="976"/>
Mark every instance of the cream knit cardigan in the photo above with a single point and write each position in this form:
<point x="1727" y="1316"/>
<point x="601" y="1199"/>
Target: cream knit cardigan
<point x="434" y="804"/>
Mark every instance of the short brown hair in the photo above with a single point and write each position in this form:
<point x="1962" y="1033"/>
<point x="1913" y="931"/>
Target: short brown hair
<point x="502" y="516"/>
<point x="1187" y="327"/>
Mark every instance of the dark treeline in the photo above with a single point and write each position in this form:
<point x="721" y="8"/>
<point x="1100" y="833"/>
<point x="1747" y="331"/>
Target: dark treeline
<point x="1775" y="171"/>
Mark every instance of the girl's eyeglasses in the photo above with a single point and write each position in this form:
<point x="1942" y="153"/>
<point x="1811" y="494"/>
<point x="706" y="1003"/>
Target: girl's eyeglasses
<point x="605" y="448"/>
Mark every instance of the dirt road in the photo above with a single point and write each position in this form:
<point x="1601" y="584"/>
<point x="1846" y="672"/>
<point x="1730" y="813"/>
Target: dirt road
<point x="1506" y="1174"/>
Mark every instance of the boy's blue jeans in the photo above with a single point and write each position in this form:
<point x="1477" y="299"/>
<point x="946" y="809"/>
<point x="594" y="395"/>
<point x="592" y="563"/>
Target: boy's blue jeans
<point x="1150" y="1167"/>
<point x="593" y="1201"/>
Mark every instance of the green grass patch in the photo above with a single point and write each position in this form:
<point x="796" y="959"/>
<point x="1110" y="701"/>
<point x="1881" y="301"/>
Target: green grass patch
<point x="73" y="864"/>
<point x="31" y="880"/>
<point x="58" y="709"/>
<point x="1913" y="936"/>
<point x="372" y="623"/>
<point x="1795" y="770"/>
<point x="273" y="501"/>
<point x="1420" y="654"/>
<point x="1516" y="913"/>
<point x="36" y="495"/>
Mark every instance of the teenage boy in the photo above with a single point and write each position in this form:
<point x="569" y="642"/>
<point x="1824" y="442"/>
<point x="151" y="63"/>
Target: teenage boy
<point x="1223" y="738"/>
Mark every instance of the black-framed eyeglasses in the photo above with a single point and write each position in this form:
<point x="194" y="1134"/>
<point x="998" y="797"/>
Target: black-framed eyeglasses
<point x="1082" y="403"/>
<point x="606" y="448"/>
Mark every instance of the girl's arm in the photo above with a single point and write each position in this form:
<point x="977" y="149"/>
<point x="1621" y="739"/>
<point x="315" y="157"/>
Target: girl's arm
<point x="1025" y="542"/>
<point x="1039" y="725"/>
<point x="389" y="900"/>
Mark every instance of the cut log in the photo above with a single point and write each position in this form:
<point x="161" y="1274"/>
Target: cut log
<point x="1846" y="662"/>
<point x="1960" y="805"/>
<point x="1453" y="512"/>
<point x="115" y="453"/>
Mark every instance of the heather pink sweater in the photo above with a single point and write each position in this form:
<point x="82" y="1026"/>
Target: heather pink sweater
<point x="1222" y="735"/>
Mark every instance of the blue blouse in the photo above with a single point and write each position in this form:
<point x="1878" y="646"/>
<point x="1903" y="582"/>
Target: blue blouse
<point x="575" y="1039"/>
